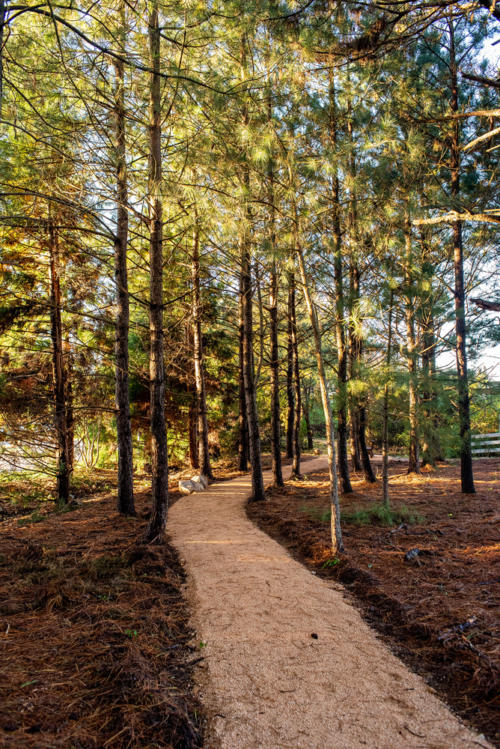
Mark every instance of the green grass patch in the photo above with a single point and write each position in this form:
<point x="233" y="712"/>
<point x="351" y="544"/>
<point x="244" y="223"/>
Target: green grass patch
<point x="35" y="517"/>
<point x="379" y="514"/>
<point x="376" y="514"/>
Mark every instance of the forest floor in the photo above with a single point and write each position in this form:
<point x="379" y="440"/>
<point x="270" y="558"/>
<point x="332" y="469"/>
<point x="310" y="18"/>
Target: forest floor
<point x="102" y="644"/>
<point x="438" y="611"/>
<point x="288" y="660"/>
<point x="95" y="639"/>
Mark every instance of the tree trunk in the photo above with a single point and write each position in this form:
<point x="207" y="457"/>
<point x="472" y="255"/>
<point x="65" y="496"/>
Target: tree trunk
<point x="289" y="372"/>
<point x="275" y="383"/>
<point x="307" y="417"/>
<point x="431" y="447"/>
<point x="201" y="399"/>
<point x="466" y="472"/>
<point x="296" y="378"/>
<point x="385" y="412"/>
<point x="336" y="532"/>
<point x="59" y="372"/>
<point x="159" y="455"/>
<point x="193" y="433"/>
<point x="354" y="438"/>
<point x="273" y="321"/>
<point x="354" y="341"/>
<point x="3" y="15"/>
<point x="243" y="446"/>
<point x="360" y="454"/>
<point x="411" y="355"/>
<point x="258" y="493"/>
<point x="365" y="455"/>
<point x="339" y="303"/>
<point x="355" y="347"/>
<point x="125" y="498"/>
<point x="248" y="376"/>
<point x="70" y="413"/>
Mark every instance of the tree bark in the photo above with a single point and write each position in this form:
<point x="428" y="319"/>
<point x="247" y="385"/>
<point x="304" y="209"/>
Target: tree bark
<point x="336" y="531"/>
<point x="273" y="327"/>
<point x="289" y="373"/>
<point x="59" y="372"/>
<point x="70" y="413"/>
<point x="354" y="278"/>
<point x="431" y="448"/>
<point x="339" y="303"/>
<point x="3" y="14"/>
<point x="385" y="413"/>
<point x="466" y="472"/>
<point x="307" y="417"/>
<point x="243" y="446"/>
<point x="411" y="354"/>
<point x="258" y="494"/>
<point x="360" y="454"/>
<point x="201" y="399"/>
<point x="355" y="351"/>
<point x="125" y="498"/>
<point x="295" y="377"/>
<point x="275" y="383"/>
<point x="193" y="432"/>
<point x="159" y="454"/>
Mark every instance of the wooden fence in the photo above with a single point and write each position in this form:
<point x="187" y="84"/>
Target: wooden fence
<point x="485" y="445"/>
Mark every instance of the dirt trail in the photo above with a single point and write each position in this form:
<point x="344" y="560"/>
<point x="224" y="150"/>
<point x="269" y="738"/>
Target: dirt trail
<point x="289" y="663"/>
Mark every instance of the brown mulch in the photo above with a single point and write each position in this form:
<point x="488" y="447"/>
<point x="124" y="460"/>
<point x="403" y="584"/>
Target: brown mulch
<point x="94" y="634"/>
<point x="437" y="611"/>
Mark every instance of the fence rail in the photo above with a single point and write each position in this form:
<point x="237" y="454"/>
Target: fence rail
<point x="485" y="445"/>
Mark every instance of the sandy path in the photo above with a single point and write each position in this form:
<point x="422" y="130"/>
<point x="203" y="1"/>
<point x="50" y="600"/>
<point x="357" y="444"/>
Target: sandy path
<point x="268" y="682"/>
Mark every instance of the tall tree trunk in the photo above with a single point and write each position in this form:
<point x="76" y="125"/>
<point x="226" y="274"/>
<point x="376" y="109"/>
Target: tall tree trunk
<point x="125" y="499"/>
<point x="3" y="16"/>
<point x="354" y="437"/>
<point x="339" y="303"/>
<point x="466" y="472"/>
<point x="159" y="455"/>
<point x="70" y="413"/>
<point x="360" y="452"/>
<point x="243" y="446"/>
<point x="342" y="369"/>
<point x="295" y="376"/>
<point x="201" y="399"/>
<point x="194" y="461"/>
<point x="411" y="354"/>
<point x="273" y="329"/>
<point x="365" y="455"/>
<point x="336" y="532"/>
<point x="307" y="417"/>
<point x="385" y="412"/>
<point x="354" y="275"/>
<point x="59" y="372"/>
<point x="248" y="376"/>
<point x="258" y="493"/>
<point x="355" y="351"/>
<point x="275" y="383"/>
<point x="431" y="448"/>
<point x="290" y="397"/>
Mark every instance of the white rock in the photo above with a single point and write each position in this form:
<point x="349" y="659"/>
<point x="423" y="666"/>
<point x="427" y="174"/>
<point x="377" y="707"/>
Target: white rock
<point x="186" y="487"/>
<point x="201" y="479"/>
<point x="197" y="486"/>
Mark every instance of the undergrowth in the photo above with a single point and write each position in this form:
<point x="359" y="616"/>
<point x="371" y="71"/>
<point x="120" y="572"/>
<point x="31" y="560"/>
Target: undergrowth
<point x="376" y="514"/>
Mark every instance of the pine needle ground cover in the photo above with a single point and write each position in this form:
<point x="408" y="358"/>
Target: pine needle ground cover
<point x="95" y="641"/>
<point x="425" y="578"/>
